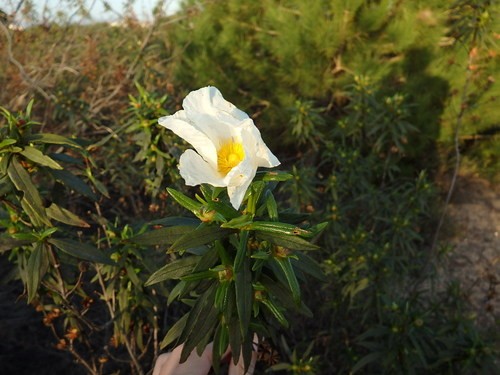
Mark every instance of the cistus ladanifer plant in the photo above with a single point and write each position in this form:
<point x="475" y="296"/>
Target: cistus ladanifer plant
<point x="238" y="262"/>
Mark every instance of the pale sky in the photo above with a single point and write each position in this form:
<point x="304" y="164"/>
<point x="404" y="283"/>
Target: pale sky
<point x="142" y="8"/>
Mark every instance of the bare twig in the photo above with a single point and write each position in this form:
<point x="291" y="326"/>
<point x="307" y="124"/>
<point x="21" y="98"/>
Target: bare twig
<point x="27" y="79"/>
<point x="111" y="309"/>
<point x="91" y="369"/>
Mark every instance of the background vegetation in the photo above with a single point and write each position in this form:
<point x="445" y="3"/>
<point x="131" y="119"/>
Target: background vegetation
<point x="369" y="104"/>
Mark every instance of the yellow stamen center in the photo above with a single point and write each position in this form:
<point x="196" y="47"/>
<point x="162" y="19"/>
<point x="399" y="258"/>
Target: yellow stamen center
<point x="229" y="156"/>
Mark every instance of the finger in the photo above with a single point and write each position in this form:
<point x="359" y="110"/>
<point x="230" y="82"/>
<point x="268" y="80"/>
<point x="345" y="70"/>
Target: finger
<point x="239" y="368"/>
<point x="195" y="364"/>
<point x="160" y="361"/>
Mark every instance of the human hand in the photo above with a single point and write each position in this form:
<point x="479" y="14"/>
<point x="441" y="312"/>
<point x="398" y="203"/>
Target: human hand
<point x="168" y="363"/>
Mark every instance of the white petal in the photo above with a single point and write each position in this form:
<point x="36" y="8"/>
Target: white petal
<point x="240" y="178"/>
<point x="252" y="140"/>
<point x="209" y="100"/>
<point x="181" y="126"/>
<point x="195" y="170"/>
<point x="212" y="115"/>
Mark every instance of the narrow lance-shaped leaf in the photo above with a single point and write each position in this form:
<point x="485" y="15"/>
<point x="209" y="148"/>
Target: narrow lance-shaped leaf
<point x="272" y="208"/>
<point x="277" y="313"/>
<point x="201" y="320"/>
<point x="174" y="332"/>
<point x="241" y="252"/>
<point x="7" y="142"/>
<point x="101" y="188"/>
<point x="200" y="236"/>
<point x="162" y="236"/>
<point x="286" y="266"/>
<point x="8" y="243"/>
<point x="53" y="139"/>
<point x="287" y="241"/>
<point x="279" y="228"/>
<point x="273" y="176"/>
<point x="308" y="265"/>
<point x="239" y="222"/>
<point x="221" y="295"/>
<point x="244" y="294"/>
<point x="37" y="267"/>
<point x="221" y="343"/>
<point x="254" y="193"/>
<point x="31" y="201"/>
<point x="73" y="182"/>
<point x="65" y="216"/>
<point x="184" y="201"/>
<point x="38" y="157"/>
<point x="174" y="270"/>
<point x="80" y="250"/>
<point x="235" y="339"/>
<point x="283" y="294"/>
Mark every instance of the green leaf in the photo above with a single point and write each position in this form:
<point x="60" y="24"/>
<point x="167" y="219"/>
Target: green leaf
<point x="176" y="292"/>
<point x="26" y="236"/>
<point x="64" y="216"/>
<point x="101" y="188"/>
<point x="199" y="276"/>
<point x="31" y="201"/>
<point x="235" y="339"/>
<point x="52" y="139"/>
<point x="287" y="241"/>
<point x="176" y="221"/>
<point x="33" y="214"/>
<point x="38" y="157"/>
<point x="275" y="310"/>
<point x="279" y="228"/>
<point x="246" y="350"/>
<point x="286" y="266"/>
<point x="227" y="211"/>
<point x="241" y="252"/>
<point x="132" y="275"/>
<point x="65" y="158"/>
<point x="356" y="287"/>
<point x="38" y="264"/>
<point x="221" y="295"/>
<point x="272" y="208"/>
<point x="73" y="182"/>
<point x="8" y="243"/>
<point x="317" y="229"/>
<point x="202" y="318"/>
<point x="308" y="265"/>
<point x="174" y="270"/>
<point x="29" y="107"/>
<point x="7" y="142"/>
<point x="230" y="303"/>
<point x="244" y="296"/>
<point x="174" y="332"/>
<point x="221" y="343"/>
<point x="273" y="176"/>
<point x="277" y="290"/>
<point x="4" y="164"/>
<point x="80" y="250"/>
<point x="239" y="222"/>
<point x="185" y="201"/>
<point x="372" y="357"/>
<point x="162" y="236"/>
<point x="254" y="193"/>
<point x="200" y="236"/>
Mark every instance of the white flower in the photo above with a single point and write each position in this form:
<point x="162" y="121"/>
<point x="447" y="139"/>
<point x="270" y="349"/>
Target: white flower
<point x="229" y="147"/>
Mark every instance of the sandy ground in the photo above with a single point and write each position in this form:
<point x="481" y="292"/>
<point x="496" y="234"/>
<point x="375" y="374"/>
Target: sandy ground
<point x="473" y="231"/>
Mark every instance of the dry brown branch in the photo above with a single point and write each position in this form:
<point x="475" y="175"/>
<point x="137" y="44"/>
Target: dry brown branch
<point x="26" y="78"/>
